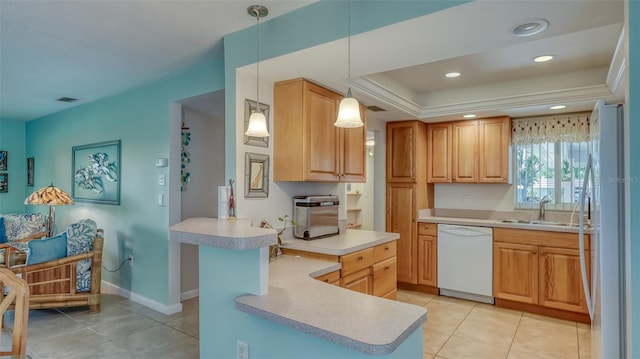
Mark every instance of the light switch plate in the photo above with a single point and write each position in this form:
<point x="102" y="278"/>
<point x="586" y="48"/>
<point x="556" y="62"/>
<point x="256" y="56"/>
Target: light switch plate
<point x="162" y="179"/>
<point x="162" y="162"/>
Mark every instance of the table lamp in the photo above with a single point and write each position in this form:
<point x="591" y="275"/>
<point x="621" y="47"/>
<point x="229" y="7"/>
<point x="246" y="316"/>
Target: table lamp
<point x="50" y="196"/>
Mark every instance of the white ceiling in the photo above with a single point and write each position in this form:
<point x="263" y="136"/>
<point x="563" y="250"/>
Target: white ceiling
<point x="93" y="49"/>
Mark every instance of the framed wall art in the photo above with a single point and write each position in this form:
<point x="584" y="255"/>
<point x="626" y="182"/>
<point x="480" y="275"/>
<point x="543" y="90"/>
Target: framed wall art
<point x="249" y="107"/>
<point x="30" y="169"/>
<point x="96" y="172"/>
<point x="256" y="175"/>
<point x="4" y="182"/>
<point x="3" y="160"/>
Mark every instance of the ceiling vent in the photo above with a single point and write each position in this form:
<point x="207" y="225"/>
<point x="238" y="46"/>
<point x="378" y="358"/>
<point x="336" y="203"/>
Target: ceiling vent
<point x="66" y="99"/>
<point x="374" y="108"/>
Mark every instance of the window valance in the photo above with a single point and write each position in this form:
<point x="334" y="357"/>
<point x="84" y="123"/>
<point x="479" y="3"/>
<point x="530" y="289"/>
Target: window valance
<point x="572" y="127"/>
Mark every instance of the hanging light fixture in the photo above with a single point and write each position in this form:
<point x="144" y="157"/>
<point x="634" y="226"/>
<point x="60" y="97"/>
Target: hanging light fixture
<point x="349" y="109"/>
<point x="257" y="121"/>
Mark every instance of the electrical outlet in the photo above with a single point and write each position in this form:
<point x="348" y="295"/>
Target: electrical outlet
<point x="243" y="350"/>
<point x="130" y="261"/>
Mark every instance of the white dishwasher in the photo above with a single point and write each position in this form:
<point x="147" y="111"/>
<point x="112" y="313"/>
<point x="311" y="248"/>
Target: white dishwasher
<point x="465" y="262"/>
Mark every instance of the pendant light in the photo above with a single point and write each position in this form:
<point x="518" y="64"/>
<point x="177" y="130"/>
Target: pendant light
<point x="257" y="121"/>
<point x="349" y="109"/>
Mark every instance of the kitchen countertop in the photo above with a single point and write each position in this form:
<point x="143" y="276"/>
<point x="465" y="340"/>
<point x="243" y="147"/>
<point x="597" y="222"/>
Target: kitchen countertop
<point x="348" y="241"/>
<point x="494" y="223"/>
<point x="362" y="322"/>
<point x="236" y="234"/>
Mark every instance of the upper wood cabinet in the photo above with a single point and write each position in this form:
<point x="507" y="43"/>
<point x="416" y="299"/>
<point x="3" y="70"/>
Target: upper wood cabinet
<point x="494" y="140"/>
<point x="406" y="151"/>
<point x="475" y="151"/>
<point x="306" y="144"/>
<point x="439" y="152"/>
<point x="464" y="156"/>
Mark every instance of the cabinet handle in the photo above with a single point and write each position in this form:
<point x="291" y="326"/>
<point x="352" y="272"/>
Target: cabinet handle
<point x="386" y="248"/>
<point x="386" y="268"/>
<point x="360" y="258"/>
<point x="326" y="280"/>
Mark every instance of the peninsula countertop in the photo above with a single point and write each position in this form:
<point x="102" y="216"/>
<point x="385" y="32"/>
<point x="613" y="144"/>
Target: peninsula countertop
<point x="348" y="241"/>
<point x="362" y="322"/>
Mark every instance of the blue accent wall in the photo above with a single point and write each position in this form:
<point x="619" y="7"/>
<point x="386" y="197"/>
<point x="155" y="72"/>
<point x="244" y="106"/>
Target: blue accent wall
<point x="140" y="118"/>
<point x="312" y="25"/>
<point x="12" y="134"/>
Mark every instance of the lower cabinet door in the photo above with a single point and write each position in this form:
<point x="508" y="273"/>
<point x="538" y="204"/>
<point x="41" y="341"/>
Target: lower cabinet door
<point x="427" y="260"/>
<point x="561" y="279"/>
<point x="360" y="282"/>
<point x="515" y="272"/>
<point x="385" y="275"/>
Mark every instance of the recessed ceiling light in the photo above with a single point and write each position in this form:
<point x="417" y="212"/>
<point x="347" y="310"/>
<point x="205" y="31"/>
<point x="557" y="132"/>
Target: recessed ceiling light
<point x="469" y="116"/>
<point x="530" y="27"/>
<point x="557" y="107"/>
<point x="452" y="74"/>
<point x="543" y="58"/>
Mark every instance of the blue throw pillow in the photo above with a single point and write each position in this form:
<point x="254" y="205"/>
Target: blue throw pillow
<point x="3" y="231"/>
<point x="43" y="250"/>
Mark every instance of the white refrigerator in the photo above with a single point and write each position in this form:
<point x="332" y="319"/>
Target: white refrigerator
<point x="602" y="200"/>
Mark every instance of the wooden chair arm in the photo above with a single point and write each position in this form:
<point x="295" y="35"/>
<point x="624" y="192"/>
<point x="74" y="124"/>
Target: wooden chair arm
<point x="53" y="263"/>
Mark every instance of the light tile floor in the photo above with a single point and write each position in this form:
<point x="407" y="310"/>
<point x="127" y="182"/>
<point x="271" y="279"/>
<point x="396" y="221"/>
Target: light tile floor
<point x="454" y="329"/>
<point x="457" y="329"/>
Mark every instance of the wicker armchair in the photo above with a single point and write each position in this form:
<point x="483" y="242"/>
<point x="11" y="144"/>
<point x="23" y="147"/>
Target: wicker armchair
<point x="70" y="281"/>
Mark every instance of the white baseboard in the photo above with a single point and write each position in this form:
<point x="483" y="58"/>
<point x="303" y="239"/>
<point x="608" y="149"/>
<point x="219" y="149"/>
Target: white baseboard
<point x="189" y="294"/>
<point x="111" y="288"/>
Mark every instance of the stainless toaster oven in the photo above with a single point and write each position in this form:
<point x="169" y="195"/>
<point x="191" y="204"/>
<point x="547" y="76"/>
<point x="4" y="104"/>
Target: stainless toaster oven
<point x="315" y="216"/>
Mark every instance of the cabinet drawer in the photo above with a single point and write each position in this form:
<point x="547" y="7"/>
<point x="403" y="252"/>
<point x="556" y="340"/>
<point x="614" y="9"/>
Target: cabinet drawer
<point x="384" y="277"/>
<point x="358" y="281"/>
<point x="384" y="251"/>
<point x="429" y="229"/>
<point x="331" y="278"/>
<point x="356" y="261"/>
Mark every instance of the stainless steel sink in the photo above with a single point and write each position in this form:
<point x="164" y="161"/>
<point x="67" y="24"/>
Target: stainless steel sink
<point x="514" y="221"/>
<point x="539" y="223"/>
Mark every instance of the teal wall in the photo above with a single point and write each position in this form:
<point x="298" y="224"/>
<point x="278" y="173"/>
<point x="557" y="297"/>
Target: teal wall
<point x="12" y="134"/>
<point x="140" y="118"/>
<point x="318" y="23"/>
<point x="633" y="111"/>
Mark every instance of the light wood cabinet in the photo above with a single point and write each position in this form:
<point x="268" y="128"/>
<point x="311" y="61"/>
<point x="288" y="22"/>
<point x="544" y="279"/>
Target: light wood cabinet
<point x="307" y="146"/>
<point x="331" y="278"/>
<point x="560" y="279"/>
<point x="515" y="272"/>
<point x="439" y="153"/>
<point x="406" y="151"/>
<point x="401" y="219"/>
<point x="428" y="254"/>
<point x="494" y="142"/>
<point x="464" y="156"/>
<point x="539" y="267"/>
<point x="475" y="151"/>
<point x="361" y="281"/>
<point x="371" y="270"/>
<point x="407" y="190"/>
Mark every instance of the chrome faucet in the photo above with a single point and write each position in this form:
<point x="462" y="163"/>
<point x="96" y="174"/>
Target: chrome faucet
<point x="543" y="203"/>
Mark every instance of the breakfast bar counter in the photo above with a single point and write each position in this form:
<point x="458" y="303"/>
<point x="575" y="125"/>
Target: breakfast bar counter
<point x="363" y="322"/>
<point x="279" y="310"/>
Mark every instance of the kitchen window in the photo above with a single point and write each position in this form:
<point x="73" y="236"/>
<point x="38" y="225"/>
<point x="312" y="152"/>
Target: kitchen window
<point x="550" y="158"/>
